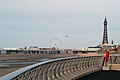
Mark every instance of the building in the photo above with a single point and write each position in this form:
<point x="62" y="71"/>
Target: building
<point x="2" y="51"/>
<point x="30" y="50"/>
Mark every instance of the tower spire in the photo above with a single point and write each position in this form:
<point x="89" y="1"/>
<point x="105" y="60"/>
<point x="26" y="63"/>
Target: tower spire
<point x="105" y="19"/>
<point x="105" y="36"/>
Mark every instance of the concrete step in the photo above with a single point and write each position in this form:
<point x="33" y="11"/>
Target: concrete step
<point x="106" y="68"/>
<point x="115" y="67"/>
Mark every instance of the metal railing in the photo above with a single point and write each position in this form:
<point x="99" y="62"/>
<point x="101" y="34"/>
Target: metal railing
<point x="114" y="59"/>
<point x="58" y="69"/>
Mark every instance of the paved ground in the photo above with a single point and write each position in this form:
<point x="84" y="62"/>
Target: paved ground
<point x="91" y="54"/>
<point x="103" y="75"/>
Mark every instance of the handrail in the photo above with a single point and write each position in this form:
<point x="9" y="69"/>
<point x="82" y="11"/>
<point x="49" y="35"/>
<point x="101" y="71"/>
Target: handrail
<point x="61" y="69"/>
<point x="114" y="59"/>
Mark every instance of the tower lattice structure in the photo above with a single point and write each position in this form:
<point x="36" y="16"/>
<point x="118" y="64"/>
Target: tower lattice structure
<point x="105" y="35"/>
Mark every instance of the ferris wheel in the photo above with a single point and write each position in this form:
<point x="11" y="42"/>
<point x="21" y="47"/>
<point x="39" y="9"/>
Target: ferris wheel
<point x="56" y="43"/>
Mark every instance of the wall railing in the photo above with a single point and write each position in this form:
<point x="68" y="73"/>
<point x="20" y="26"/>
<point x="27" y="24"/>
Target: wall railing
<point x="58" y="69"/>
<point x="114" y="59"/>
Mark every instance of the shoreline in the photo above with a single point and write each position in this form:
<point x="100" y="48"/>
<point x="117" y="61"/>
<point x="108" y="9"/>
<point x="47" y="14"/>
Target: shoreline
<point x="12" y="62"/>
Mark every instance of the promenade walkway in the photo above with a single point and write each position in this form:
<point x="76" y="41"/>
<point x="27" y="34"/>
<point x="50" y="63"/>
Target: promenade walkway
<point x="102" y="75"/>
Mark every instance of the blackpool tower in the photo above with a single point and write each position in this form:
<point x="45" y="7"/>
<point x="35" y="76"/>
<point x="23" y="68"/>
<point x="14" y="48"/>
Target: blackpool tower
<point x="105" y="35"/>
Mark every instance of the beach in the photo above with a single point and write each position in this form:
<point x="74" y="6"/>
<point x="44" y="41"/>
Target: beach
<point x="12" y="62"/>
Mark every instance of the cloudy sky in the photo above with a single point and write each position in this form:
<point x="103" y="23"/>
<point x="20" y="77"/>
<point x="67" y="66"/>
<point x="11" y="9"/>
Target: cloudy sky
<point x="36" y="22"/>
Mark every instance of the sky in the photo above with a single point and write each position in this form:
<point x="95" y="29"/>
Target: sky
<point x="37" y="22"/>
